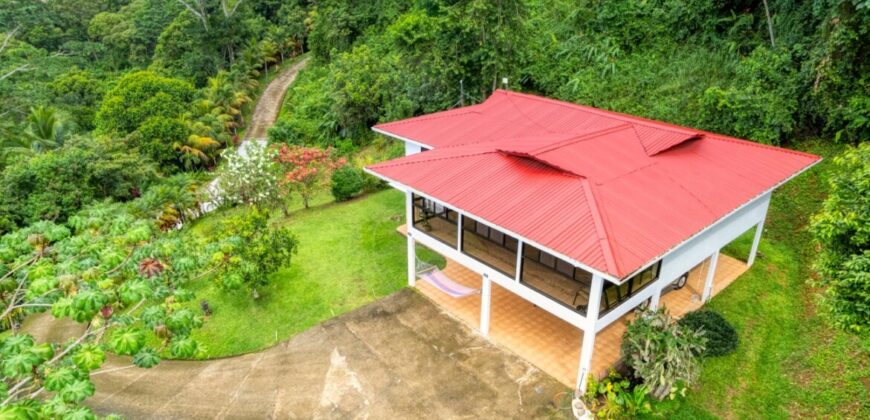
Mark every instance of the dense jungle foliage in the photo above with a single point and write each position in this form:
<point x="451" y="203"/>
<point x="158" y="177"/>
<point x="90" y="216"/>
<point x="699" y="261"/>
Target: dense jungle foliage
<point x="115" y="114"/>
<point x="712" y="64"/>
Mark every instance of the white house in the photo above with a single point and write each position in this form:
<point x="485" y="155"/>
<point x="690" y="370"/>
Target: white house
<point x="583" y="213"/>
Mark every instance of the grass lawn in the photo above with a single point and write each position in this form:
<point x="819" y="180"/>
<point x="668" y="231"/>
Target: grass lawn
<point x="349" y="255"/>
<point x="789" y="363"/>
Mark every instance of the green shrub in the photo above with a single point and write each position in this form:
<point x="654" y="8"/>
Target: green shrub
<point x="346" y="182"/>
<point x="721" y="336"/>
<point x="56" y="184"/>
<point x="662" y="353"/>
<point x="614" y="398"/>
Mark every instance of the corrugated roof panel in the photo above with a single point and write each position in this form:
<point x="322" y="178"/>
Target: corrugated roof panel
<point x="608" y="190"/>
<point x="656" y="139"/>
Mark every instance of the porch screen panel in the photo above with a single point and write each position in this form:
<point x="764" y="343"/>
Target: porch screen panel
<point x="556" y="278"/>
<point x="613" y="295"/>
<point x="435" y="220"/>
<point x="489" y="245"/>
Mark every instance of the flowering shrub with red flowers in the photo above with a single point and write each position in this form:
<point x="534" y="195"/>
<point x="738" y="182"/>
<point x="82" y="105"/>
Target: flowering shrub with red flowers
<point x="306" y="169"/>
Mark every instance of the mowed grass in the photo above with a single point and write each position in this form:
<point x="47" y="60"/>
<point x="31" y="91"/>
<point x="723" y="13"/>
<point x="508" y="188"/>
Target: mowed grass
<point x="789" y="364"/>
<point x="349" y="255"/>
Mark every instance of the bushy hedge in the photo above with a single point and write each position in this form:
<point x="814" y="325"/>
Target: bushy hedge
<point x="347" y="181"/>
<point x="721" y="336"/>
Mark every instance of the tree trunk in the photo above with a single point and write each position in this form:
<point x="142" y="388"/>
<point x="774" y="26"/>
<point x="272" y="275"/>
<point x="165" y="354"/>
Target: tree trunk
<point x="769" y="24"/>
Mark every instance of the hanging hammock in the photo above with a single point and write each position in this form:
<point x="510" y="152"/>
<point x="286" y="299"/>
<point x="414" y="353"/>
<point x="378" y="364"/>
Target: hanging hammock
<point x="432" y="275"/>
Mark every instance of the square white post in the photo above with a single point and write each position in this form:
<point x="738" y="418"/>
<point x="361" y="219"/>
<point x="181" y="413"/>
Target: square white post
<point x="459" y="232"/>
<point x="485" y="304"/>
<point x="758" y="228"/>
<point x="711" y="273"/>
<point x="519" y="270"/>
<point x="656" y="297"/>
<point x="588" y="345"/>
<point x="412" y="250"/>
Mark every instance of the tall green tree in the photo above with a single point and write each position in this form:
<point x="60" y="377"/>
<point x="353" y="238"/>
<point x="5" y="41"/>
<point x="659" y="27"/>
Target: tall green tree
<point x="842" y="233"/>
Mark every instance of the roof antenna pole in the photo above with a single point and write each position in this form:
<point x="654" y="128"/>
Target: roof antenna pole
<point x="461" y="93"/>
<point x="504" y="82"/>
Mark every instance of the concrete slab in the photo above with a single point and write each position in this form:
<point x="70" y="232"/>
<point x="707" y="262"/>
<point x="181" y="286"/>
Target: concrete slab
<point x="400" y="357"/>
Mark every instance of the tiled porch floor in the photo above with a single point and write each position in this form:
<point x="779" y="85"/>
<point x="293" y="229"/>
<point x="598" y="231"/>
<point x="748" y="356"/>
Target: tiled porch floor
<point x="548" y="342"/>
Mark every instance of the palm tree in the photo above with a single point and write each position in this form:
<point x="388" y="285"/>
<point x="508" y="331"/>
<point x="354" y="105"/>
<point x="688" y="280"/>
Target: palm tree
<point x="45" y="129"/>
<point x="196" y="150"/>
<point x="229" y="94"/>
<point x="268" y="51"/>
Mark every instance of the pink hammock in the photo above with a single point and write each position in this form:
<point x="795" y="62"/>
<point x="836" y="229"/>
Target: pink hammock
<point x="436" y="278"/>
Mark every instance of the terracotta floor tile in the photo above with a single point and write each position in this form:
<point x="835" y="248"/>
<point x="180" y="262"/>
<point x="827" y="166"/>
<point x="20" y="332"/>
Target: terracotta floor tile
<point x="548" y="342"/>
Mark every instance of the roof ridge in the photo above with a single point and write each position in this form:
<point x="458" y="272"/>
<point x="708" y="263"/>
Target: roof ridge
<point x="600" y="227"/>
<point x="604" y="112"/>
<point x="524" y="115"/>
<point x="533" y="158"/>
<point x="696" y="135"/>
<point x="581" y="137"/>
<point x="399" y="161"/>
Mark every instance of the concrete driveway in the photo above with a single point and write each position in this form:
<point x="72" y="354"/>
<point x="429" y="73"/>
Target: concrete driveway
<point x="399" y="357"/>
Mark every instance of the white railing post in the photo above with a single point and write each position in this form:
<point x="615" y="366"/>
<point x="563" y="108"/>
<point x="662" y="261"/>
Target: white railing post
<point x="485" y="304"/>
<point x="412" y="250"/>
<point x="711" y="273"/>
<point x="588" y="345"/>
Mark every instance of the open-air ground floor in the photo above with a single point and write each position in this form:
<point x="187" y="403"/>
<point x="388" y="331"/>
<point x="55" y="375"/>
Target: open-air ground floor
<point x="547" y="341"/>
<point x="399" y="357"/>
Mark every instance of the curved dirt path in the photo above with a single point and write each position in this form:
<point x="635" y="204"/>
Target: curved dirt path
<point x="399" y="357"/>
<point x="269" y="105"/>
<point x="264" y="116"/>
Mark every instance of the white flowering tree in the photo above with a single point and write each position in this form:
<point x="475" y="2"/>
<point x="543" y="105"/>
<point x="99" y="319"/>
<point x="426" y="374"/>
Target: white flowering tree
<point x="250" y="176"/>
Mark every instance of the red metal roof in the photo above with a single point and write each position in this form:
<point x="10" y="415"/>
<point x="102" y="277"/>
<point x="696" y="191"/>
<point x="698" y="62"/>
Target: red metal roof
<point x="608" y="190"/>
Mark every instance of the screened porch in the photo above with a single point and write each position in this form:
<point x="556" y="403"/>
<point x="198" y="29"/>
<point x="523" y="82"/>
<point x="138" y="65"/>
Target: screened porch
<point x="537" y="269"/>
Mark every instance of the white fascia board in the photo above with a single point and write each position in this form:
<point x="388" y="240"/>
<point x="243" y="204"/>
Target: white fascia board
<point x="397" y="137"/>
<point x="508" y="231"/>
<point x="544" y="302"/>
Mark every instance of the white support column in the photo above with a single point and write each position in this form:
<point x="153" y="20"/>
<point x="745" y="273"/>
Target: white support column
<point x="656" y="297"/>
<point x="412" y="245"/>
<point x="485" y="304"/>
<point x="711" y="273"/>
<point x="758" y="228"/>
<point x="459" y="232"/>
<point x="588" y="345"/>
<point x="519" y="270"/>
